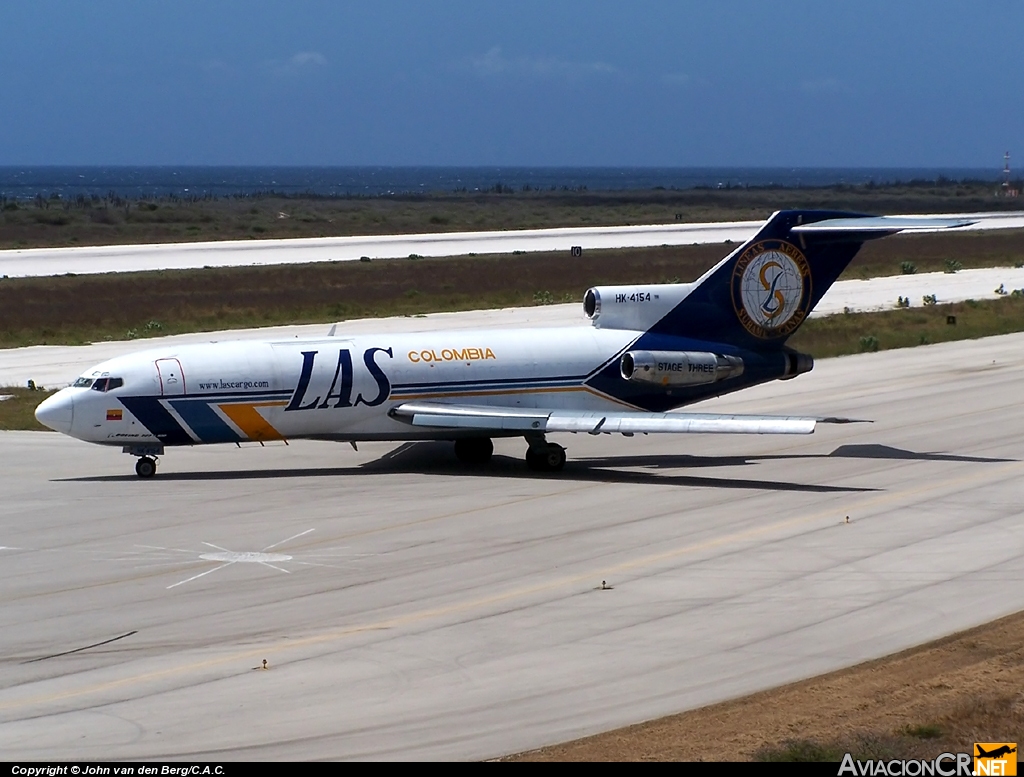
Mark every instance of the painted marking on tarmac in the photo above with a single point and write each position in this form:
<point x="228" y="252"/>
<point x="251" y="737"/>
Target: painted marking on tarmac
<point x="155" y="556"/>
<point x="929" y="489"/>
<point x="225" y="557"/>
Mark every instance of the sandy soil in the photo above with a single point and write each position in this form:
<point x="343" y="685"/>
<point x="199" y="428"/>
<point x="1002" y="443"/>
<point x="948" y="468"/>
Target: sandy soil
<point x="939" y="697"/>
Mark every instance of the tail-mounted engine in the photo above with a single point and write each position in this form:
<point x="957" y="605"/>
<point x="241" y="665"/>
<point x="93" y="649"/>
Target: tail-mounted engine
<point x="797" y="363"/>
<point x="678" y="368"/>
<point x="632" y="307"/>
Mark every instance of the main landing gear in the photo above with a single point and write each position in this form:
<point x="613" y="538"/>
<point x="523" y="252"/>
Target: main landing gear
<point x="545" y="457"/>
<point x="145" y="467"/>
<point x="541" y="456"/>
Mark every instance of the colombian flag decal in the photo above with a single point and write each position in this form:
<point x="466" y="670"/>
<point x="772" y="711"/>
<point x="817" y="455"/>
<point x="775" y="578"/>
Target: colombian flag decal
<point x="113" y="415"/>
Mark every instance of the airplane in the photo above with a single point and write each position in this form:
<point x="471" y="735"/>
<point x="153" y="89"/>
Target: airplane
<point x="999" y="751"/>
<point x="649" y="349"/>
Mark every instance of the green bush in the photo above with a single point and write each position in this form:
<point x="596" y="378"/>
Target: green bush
<point x="927" y="731"/>
<point x="908" y="268"/>
<point x="800" y="751"/>
<point x="869" y="343"/>
<point x="953" y="265"/>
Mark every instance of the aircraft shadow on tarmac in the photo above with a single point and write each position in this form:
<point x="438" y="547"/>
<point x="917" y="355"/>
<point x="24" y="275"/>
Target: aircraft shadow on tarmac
<point x="871" y="451"/>
<point x="437" y="458"/>
<point x="886" y="452"/>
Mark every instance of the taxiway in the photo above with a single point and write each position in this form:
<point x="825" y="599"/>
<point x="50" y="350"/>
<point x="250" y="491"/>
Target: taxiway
<point x="410" y="609"/>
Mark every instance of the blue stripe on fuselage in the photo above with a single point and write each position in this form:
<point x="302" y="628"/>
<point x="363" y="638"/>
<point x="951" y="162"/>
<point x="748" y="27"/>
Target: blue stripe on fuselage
<point x="204" y="421"/>
<point x="155" y="417"/>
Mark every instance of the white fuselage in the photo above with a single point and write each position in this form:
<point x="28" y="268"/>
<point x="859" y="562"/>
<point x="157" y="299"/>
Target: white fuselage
<point x="331" y="387"/>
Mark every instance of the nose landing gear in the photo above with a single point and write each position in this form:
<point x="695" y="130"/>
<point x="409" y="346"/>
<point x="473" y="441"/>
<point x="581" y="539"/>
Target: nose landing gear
<point x="145" y="467"/>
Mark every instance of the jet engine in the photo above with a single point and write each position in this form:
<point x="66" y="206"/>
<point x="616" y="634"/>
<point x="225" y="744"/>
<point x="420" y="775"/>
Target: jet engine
<point x="797" y="364"/>
<point x="632" y="307"/>
<point x="678" y="368"/>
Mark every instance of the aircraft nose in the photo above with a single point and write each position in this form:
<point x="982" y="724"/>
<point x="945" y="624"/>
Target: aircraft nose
<point x="57" y="412"/>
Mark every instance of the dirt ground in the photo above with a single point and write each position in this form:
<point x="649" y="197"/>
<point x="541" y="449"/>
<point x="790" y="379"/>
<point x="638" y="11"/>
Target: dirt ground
<point x="940" y="697"/>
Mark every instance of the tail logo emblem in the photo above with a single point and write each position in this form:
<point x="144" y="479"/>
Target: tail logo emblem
<point x="771" y="288"/>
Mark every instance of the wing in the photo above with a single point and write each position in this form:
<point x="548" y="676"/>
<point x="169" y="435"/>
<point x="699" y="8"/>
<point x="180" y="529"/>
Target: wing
<point x="437" y="415"/>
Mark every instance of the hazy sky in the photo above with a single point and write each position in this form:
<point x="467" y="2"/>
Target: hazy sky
<point x="860" y="83"/>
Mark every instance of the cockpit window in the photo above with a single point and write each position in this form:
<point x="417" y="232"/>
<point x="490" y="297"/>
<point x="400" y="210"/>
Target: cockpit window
<point x="82" y="383"/>
<point x="107" y="384"/>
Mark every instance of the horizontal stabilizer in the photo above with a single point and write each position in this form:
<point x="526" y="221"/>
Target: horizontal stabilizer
<point x="881" y="224"/>
<point x="500" y="419"/>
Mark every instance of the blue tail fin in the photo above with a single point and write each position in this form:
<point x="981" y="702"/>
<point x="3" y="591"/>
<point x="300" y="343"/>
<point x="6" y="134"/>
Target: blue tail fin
<point x="760" y="294"/>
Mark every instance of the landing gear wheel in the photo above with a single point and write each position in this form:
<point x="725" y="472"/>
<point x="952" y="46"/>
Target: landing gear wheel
<point x="549" y="458"/>
<point x="474" y="451"/>
<point x="145" y="467"/>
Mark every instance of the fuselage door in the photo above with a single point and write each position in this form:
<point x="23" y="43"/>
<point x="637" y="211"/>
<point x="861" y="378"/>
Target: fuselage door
<point x="172" y="379"/>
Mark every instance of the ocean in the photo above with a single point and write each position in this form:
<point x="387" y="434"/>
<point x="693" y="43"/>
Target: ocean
<point x="201" y="182"/>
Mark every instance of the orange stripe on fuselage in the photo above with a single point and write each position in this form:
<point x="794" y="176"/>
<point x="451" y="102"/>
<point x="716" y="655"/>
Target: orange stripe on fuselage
<point x="251" y="422"/>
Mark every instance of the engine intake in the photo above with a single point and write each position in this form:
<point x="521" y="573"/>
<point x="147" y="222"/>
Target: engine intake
<point x="678" y="368"/>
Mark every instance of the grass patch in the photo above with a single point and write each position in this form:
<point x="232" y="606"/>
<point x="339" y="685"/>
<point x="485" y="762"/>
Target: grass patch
<point x="18" y="412"/>
<point x="71" y="309"/>
<point x="109" y="221"/>
<point x="863" y="746"/>
<point x="845" y="334"/>
<point x="926" y="731"/>
<point x="800" y="751"/>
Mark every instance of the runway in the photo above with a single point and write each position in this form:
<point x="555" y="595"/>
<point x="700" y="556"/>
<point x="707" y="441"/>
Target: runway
<point x="82" y="260"/>
<point x="239" y="253"/>
<point x="409" y="609"/>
